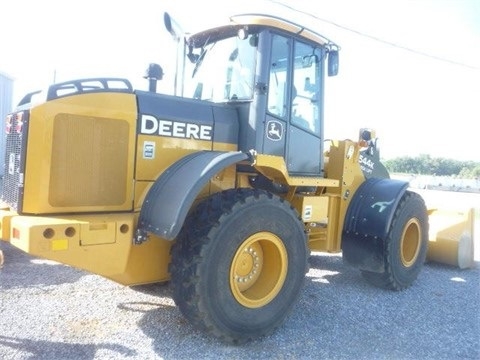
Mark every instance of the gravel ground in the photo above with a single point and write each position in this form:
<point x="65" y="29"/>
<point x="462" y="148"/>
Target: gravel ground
<point x="52" y="311"/>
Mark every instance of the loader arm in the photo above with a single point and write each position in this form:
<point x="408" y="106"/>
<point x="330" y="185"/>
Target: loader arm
<point x="171" y="196"/>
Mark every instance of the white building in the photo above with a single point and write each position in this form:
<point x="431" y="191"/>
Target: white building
<point x="6" y="99"/>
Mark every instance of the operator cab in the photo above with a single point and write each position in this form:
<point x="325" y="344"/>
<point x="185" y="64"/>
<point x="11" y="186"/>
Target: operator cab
<point x="272" y="72"/>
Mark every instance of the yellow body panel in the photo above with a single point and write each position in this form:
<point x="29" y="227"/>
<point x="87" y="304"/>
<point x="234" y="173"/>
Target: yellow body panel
<point x="312" y="208"/>
<point x="323" y="211"/>
<point x="81" y="158"/>
<point x="101" y="244"/>
<point x="227" y="178"/>
<point x="5" y="219"/>
<point x="274" y="168"/>
<point x="141" y="190"/>
<point x="341" y="163"/>
<point x="155" y="154"/>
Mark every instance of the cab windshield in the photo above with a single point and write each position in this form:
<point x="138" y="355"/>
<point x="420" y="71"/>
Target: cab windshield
<point x="222" y="71"/>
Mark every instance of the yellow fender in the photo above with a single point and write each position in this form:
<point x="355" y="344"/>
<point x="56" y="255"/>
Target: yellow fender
<point x="451" y="237"/>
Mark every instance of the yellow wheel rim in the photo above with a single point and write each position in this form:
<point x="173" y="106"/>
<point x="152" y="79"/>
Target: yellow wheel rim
<point x="258" y="270"/>
<point x="410" y="242"/>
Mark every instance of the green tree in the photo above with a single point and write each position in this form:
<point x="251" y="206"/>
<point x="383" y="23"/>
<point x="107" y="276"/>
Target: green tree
<point x="424" y="164"/>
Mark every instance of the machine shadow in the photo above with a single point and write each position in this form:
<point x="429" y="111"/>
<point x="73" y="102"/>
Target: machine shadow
<point x="40" y="349"/>
<point x="168" y="328"/>
<point x="21" y="269"/>
<point x="335" y="295"/>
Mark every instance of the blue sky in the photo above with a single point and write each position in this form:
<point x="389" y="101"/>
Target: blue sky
<point x="421" y="100"/>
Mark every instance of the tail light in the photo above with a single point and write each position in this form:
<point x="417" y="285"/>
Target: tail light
<point x="19" y="126"/>
<point x="8" y="124"/>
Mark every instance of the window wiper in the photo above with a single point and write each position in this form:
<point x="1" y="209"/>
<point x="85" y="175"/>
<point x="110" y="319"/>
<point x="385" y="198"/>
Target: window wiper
<point x="199" y="62"/>
<point x="202" y="56"/>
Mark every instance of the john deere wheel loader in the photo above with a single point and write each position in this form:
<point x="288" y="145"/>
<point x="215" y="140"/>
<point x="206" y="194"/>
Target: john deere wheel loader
<point x="223" y="189"/>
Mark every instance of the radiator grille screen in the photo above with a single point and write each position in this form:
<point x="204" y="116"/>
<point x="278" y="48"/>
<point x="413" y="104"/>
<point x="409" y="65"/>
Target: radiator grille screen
<point x="16" y="129"/>
<point x="89" y="161"/>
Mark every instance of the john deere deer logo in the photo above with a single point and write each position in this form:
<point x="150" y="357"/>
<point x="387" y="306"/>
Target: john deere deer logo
<point x="274" y="130"/>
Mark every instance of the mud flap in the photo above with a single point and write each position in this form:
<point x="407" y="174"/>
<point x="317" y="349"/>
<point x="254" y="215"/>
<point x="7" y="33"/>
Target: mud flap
<point x="368" y="221"/>
<point x="171" y="196"/>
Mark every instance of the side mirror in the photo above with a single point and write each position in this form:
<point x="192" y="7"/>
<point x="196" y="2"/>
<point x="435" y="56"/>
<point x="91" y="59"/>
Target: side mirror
<point x="333" y="62"/>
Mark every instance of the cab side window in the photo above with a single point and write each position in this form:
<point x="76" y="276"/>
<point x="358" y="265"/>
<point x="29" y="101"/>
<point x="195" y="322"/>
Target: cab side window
<point x="305" y="110"/>
<point x="294" y="83"/>
<point x="278" y="81"/>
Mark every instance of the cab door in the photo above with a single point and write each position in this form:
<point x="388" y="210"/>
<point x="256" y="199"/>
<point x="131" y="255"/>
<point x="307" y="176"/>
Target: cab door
<point x="294" y="121"/>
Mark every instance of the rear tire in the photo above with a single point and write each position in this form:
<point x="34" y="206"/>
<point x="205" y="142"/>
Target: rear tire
<point x="405" y="245"/>
<point x="239" y="263"/>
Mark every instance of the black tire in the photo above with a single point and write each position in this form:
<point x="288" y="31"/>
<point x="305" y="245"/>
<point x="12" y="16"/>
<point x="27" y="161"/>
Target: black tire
<point x="239" y="263"/>
<point x="405" y="246"/>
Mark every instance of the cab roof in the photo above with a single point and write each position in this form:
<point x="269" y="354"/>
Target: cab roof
<point x="254" y="21"/>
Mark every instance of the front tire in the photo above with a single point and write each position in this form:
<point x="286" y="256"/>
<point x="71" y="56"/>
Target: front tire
<point x="239" y="263"/>
<point x="405" y="246"/>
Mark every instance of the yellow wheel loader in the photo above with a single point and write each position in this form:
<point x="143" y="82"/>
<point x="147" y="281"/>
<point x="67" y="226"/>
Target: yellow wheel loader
<point x="222" y="189"/>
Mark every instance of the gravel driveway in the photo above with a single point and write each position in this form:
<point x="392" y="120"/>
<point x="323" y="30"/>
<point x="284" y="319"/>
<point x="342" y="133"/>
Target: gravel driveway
<point x="52" y="311"/>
